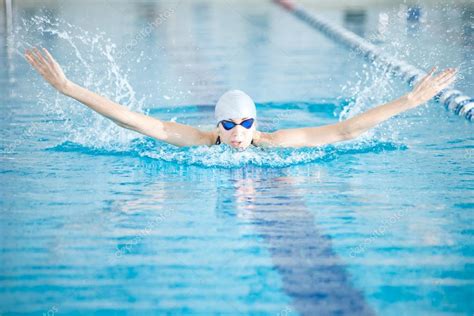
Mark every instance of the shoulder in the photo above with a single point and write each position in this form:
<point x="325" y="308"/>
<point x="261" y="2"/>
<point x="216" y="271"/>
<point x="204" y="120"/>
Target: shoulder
<point x="281" y="138"/>
<point x="262" y="139"/>
<point x="209" y="137"/>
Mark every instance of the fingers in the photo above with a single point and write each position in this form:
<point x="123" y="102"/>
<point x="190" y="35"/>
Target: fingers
<point x="29" y="54"/>
<point x="40" y="57"/>
<point x="427" y="77"/>
<point x="444" y="77"/>
<point x="49" y="57"/>
<point x="43" y="62"/>
<point x="430" y="73"/>
<point x="448" y="73"/>
<point x="430" y="85"/>
<point x="447" y="78"/>
<point x="441" y="80"/>
<point x="33" y="62"/>
<point x="37" y="57"/>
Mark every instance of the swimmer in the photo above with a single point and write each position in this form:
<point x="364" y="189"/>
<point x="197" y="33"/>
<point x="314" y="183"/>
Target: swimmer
<point x="236" y="115"/>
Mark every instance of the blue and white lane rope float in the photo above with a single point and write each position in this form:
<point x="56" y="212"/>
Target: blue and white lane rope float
<point x="452" y="99"/>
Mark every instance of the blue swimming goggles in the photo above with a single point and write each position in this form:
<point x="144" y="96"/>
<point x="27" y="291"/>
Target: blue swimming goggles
<point x="228" y="125"/>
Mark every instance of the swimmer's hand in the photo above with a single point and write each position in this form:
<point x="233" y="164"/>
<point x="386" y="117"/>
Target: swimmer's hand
<point x="431" y="85"/>
<point x="48" y="68"/>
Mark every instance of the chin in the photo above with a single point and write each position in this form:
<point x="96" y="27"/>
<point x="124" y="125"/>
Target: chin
<point x="239" y="147"/>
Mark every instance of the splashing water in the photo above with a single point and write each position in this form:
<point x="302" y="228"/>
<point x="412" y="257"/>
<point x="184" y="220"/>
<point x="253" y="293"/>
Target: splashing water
<point x="224" y="156"/>
<point x="91" y="60"/>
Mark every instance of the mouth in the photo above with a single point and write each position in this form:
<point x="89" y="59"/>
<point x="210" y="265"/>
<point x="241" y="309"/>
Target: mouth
<point x="235" y="143"/>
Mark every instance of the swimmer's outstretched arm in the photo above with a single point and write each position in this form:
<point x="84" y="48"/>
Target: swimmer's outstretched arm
<point x="427" y="88"/>
<point x="170" y="132"/>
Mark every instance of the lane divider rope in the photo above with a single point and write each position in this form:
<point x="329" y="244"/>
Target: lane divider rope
<point x="452" y="99"/>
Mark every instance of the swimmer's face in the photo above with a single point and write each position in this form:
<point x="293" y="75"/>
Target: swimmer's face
<point x="237" y="137"/>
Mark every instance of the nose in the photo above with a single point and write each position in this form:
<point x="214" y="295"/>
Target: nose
<point x="237" y="131"/>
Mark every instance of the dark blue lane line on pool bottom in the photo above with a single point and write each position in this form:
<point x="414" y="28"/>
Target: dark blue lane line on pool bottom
<point x="312" y="274"/>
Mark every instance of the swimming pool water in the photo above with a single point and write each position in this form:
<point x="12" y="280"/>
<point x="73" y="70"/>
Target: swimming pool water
<point x="98" y="219"/>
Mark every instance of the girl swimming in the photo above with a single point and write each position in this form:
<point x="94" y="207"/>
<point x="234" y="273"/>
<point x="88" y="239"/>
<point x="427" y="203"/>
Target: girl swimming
<point x="236" y="115"/>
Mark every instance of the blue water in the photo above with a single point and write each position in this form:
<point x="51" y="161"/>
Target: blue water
<point x="98" y="219"/>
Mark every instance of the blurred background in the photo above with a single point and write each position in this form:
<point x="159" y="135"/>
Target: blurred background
<point x="181" y="52"/>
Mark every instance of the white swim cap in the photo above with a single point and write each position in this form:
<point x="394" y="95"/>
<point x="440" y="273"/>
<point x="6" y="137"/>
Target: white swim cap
<point x="235" y="104"/>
